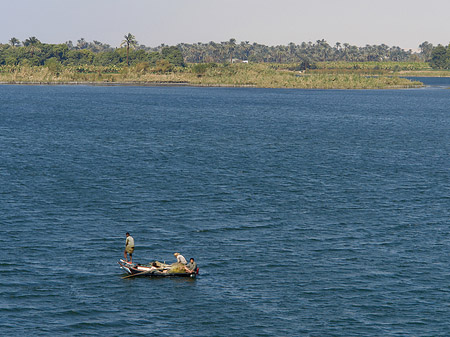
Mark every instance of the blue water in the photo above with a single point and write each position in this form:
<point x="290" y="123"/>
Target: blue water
<point x="433" y="82"/>
<point x="309" y="212"/>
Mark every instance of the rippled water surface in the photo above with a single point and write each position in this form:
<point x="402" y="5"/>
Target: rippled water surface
<point x="310" y="213"/>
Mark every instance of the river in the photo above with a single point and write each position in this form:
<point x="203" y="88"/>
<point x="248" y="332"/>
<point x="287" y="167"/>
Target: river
<point x="309" y="212"/>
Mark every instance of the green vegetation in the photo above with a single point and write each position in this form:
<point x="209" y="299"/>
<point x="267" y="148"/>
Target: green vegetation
<point x="440" y="57"/>
<point x="294" y="53"/>
<point x="374" y="66"/>
<point x="286" y="76"/>
<point x="130" y="41"/>
<point x="35" y="53"/>
<point x="308" y="65"/>
<point x="211" y="74"/>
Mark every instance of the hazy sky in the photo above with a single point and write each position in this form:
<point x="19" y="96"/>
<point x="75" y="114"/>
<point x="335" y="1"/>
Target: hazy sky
<point x="404" y="23"/>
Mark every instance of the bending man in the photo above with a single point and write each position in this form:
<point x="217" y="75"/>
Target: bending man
<point x="180" y="258"/>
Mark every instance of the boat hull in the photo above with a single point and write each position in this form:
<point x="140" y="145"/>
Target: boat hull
<point x="136" y="268"/>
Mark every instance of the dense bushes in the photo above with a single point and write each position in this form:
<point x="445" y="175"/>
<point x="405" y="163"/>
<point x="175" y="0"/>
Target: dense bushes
<point x="224" y="74"/>
<point x="307" y="55"/>
<point x="38" y="54"/>
<point x="440" y="57"/>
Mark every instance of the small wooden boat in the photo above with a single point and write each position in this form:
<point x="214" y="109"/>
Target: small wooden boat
<point x="154" y="269"/>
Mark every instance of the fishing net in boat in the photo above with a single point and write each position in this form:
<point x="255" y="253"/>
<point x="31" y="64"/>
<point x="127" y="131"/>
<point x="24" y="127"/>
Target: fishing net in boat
<point x="177" y="268"/>
<point x="174" y="268"/>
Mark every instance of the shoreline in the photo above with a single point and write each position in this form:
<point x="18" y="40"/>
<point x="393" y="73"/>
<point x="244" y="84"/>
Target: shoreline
<point x="94" y="83"/>
<point x="227" y="76"/>
<point x="193" y="85"/>
<point x="138" y="84"/>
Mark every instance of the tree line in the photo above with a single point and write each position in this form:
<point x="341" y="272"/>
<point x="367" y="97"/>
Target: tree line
<point x="294" y="53"/>
<point x="33" y="52"/>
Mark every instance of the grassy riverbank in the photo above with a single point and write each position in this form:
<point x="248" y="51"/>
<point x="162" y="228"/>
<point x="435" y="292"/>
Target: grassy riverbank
<point x="235" y="75"/>
<point x="414" y="69"/>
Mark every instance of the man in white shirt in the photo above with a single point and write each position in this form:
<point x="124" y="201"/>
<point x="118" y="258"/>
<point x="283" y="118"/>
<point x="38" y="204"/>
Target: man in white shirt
<point x="129" y="248"/>
<point x="180" y="258"/>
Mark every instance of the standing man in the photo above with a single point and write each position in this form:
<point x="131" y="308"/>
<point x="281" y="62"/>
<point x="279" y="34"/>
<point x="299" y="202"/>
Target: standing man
<point x="129" y="248"/>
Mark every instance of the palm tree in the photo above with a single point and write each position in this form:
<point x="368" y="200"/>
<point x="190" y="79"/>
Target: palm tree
<point x="425" y="50"/>
<point x="32" y="43"/>
<point x="231" y="46"/>
<point x="82" y="44"/>
<point x="14" y="42"/>
<point x="130" y="41"/>
<point x="246" y="46"/>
